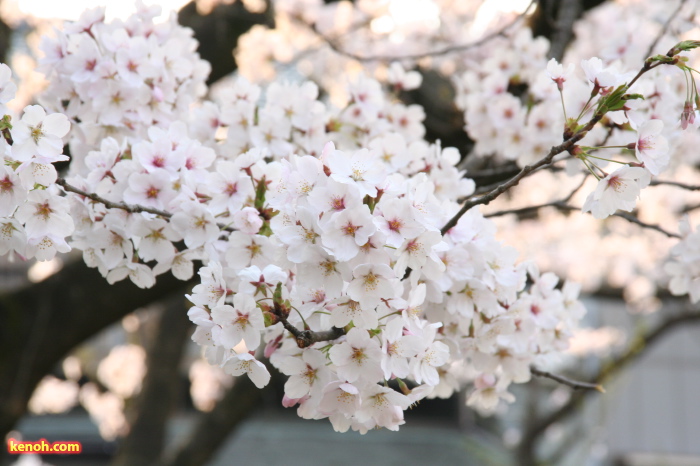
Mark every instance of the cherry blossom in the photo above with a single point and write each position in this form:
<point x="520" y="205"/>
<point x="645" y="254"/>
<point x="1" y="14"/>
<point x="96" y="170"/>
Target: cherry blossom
<point x="651" y="147"/>
<point x="618" y="190"/>
<point x="39" y="134"/>
<point x="358" y="358"/>
<point x="242" y="321"/>
<point x="306" y="374"/>
<point x="558" y="74"/>
<point x="245" y="363"/>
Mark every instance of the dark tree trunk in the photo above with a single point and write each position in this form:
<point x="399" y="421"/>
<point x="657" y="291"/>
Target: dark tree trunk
<point x="41" y="323"/>
<point x="161" y="387"/>
<point x="214" y="427"/>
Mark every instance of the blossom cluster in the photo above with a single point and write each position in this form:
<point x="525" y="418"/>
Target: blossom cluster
<point x="356" y="247"/>
<point x="34" y="218"/>
<point x="327" y="258"/>
<point x="508" y="72"/>
<point x="512" y="106"/>
<point x="619" y="189"/>
<point x="208" y="182"/>
<point x="121" y="78"/>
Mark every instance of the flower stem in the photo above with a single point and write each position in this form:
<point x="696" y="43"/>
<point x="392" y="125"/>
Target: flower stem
<point x="389" y="314"/>
<point x="563" y="107"/>
<point x="590" y="169"/>
<point x="584" y="109"/>
<point x="607" y="160"/>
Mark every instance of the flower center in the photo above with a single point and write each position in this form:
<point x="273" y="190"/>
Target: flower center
<point x="350" y="229"/>
<point x="358" y="355"/>
<point x="328" y="267"/>
<point x="616" y="183"/>
<point x="36" y="133"/>
<point x="152" y="192"/>
<point x="242" y="320"/>
<point x="413" y="247"/>
<point x="338" y="203"/>
<point x="43" y="210"/>
<point x="231" y="189"/>
<point x="395" y="224"/>
<point x="371" y="281"/>
<point x="6" y="185"/>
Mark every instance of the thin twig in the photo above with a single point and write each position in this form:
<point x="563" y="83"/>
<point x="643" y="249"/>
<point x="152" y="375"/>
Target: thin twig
<point x="133" y="208"/>
<point x="562" y="205"/>
<point x="488" y="187"/>
<point x="689" y="208"/>
<point x="664" y="29"/>
<point x="689" y="187"/>
<point x="633" y="219"/>
<point x="636" y="349"/>
<point x="575" y="384"/>
<point x="526" y="170"/>
<point x="416" y="56"/>
<point x="567" y="145"/>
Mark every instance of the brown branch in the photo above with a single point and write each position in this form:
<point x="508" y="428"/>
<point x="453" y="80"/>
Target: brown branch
<point x="332" y="43"/>
<point x="526" y="170"/>
<point x="637" y="348"/>
<point x="60" y="306"/>
<point x="567" y="145"/>
<point x="306" y="338"/>
<point x="689" y="187"/>
<point x="575" y="384"/>
<point x="133" y="208"/>
<point x="506" y="170"/>
<point x="562" y="205"/>
<point x="500" y="189"/>
<point x="635" y="220"/>
<point x="664" y="29"/>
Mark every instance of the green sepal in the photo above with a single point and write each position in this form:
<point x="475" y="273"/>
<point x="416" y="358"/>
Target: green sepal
<point x="260" y="190"/>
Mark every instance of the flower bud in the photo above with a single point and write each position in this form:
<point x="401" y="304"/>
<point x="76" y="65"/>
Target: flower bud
<point x="688" y="114"/>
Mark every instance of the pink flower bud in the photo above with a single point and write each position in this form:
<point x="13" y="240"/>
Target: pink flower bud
<point x="272" y="346"/>
<point x="289" y="402"/>
<point x="688" y="114"/>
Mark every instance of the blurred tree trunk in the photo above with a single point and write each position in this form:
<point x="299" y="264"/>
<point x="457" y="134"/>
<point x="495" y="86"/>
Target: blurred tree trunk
<point x="42" y="323"/>
<point x="214" y="427"/>
<point x="161" y="387"/>
<point x="218" y="33"/>
<point x="554" y="19"/>
<point x="5" y="40"/>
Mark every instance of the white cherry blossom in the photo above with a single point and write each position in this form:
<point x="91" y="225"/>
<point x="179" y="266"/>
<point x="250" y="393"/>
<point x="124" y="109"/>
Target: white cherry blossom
<point x="618" y="190"/>
<point x="358" y="358"/>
